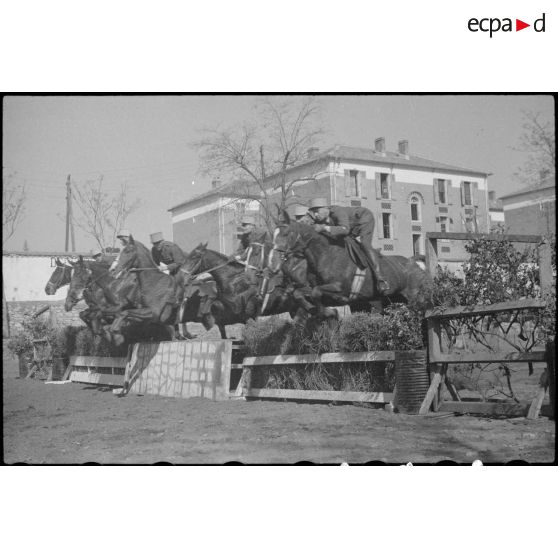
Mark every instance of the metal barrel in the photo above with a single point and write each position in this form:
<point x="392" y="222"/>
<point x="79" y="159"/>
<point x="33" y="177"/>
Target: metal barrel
<point x="411" y="381"/>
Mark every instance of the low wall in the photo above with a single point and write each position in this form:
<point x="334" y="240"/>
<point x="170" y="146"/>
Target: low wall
<point x="181" y="369"/>
<point x="17" y="311"/>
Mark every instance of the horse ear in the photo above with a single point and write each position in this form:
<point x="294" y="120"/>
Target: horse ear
<point x="203" y="245"/>
<point x="131" y="239"/>
<point x="58" y="262"/>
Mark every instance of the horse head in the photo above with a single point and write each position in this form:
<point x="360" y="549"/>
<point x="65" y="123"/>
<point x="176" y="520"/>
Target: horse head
<point x="127" y="259"/>
<point x="61" y="276"/>
<point x="79" y="281"/>
<point x="194" y="262"/>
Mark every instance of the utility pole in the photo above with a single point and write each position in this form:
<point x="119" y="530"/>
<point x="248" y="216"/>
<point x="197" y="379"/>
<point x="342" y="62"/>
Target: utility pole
<point x="69" y="220"/>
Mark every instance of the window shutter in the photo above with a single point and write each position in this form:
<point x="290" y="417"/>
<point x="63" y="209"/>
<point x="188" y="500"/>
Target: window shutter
<point x="362" y="184"/>
<point x="368" y="188"/>
<point x="391" y="186"/>
<point x="436" y="198"/>
<point x="449" y="192"/>
<point x="380" y="222"/>
<point x="462" y="188"/>
<point x="378" y="186"/>
<point x="347" y="183"/>
<point x="394" y="226"/>
<point x="475" y="193"/>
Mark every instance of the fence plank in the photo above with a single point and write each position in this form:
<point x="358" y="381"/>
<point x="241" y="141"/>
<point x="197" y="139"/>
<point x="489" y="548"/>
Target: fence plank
<point x="324" y="358"/>
<point x="88" y="377"/>
<point x="106" y="362"/>
<point x="514" y="356"/>
<point x="462" y="311"/>
<point x="317" y="395"/>
<point x="490" y="408"/>
<point x="528" y="238"/>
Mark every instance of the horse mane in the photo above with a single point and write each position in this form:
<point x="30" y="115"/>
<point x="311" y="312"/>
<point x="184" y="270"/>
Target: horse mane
<point x="145" y="252"/>
<point x="232" y="262"/>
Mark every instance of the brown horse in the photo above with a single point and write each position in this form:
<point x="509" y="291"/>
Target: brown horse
<point x="61" y="276"/>
<point x="331" y="271"/>
<point x="105" y="296"/>
<point x="160" y="294"/>
<point x="237" y="297"/>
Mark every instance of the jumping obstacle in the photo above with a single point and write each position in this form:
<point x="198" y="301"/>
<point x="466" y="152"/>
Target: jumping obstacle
<point x="438" y="362"/>
<point x="195" y="368"/>
<point x="107" y="371"/>
<point x="408" y="364"/>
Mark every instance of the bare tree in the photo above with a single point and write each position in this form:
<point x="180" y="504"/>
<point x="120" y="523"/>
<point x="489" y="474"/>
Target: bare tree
<point x="101" y="215"/>
<point x="13" y="206"/>
<point x="259" y="156"/>
<point x="538" y="141"/>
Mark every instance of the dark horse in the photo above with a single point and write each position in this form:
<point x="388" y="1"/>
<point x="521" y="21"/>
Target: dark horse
<point x="160" y="294"/>
<point x="105" y="296"/>
<point x="237" y="291"/>
<point x="331" y="271"/>
<point x="61" y="276"/>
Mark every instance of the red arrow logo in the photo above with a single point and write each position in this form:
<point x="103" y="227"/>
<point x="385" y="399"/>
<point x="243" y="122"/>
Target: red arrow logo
<point x="519" y="25"/>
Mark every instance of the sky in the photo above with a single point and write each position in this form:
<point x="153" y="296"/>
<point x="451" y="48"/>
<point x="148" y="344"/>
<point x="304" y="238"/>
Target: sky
<point x="146" y="142"/>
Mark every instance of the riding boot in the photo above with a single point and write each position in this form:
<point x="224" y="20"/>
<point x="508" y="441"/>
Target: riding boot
<point x="383" y="285"/>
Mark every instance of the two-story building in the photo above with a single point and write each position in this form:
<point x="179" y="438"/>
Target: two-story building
<point x="408" y="195"/>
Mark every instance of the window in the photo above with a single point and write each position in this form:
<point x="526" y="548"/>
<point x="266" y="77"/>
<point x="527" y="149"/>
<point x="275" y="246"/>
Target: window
<point x="384" y="186"/>
<point x="386" y="224"/>
<point x="415" y="209"/>
<point x="442" y="191"/>
<point x="354" y="184"/>
<point x="416" y="245"/>
<point x="467" y="193"/>
<point x="444" y="224"/>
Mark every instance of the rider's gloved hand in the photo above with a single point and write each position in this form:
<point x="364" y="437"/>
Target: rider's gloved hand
<point x="163" y="267"/>
<point x="319" y="228"/>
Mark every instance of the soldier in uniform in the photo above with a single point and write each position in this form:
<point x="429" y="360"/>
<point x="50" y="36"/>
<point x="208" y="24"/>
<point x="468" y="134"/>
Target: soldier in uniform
<point x="302" y="215"/>
<point x="124" y="237"/>
<point x="358" y="222"/>
<point x="167" y="255"/>
<point x="250" y="234"/>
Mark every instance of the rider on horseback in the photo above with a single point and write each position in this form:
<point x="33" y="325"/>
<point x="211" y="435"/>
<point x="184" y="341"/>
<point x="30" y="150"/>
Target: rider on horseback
<point x="358" y="222"/>
<point x="166" y="254"/>
<point x="302" y="215"/>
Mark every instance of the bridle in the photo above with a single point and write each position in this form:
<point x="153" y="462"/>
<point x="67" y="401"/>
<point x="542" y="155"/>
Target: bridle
<point x="56" y="286"/>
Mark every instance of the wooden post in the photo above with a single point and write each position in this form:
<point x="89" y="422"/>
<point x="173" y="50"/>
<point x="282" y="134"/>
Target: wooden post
<point x="432" y="393"/>
<point x="551" y="374"/>
<point x="68" y="212"/>
<point x="5" y="314"/>
<point x="545" y="268"/>
<point x="431" y="254"/>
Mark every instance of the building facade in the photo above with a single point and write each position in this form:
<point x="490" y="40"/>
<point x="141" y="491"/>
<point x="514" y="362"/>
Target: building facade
<point x="408" y="196"/>
<point x="531" y="211"/>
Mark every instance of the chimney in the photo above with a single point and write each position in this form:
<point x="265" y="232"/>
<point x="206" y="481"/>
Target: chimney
<point x="404" y="148"/>
<point x="491" y="195"/>
<point x="216" y="183"/>
<point x="380" y="145"/>
<point x="312" y="152"/>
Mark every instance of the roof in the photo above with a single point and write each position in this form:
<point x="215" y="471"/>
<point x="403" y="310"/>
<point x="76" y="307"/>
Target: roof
<point x="391" y="157"/>
<point x="550" y="182"/>
<point x="228" y="188"/>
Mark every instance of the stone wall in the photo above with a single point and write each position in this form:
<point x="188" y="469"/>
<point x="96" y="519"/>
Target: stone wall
<point x="56" y="313"/>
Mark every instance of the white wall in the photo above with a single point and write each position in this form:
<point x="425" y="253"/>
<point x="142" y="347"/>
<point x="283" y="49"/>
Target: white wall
<point x="25" y="278"/>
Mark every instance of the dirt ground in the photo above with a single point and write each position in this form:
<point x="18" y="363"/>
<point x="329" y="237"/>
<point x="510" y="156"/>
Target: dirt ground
<point x="75" y="423"/>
